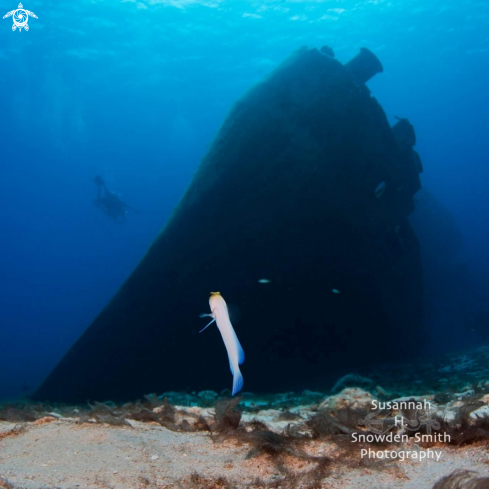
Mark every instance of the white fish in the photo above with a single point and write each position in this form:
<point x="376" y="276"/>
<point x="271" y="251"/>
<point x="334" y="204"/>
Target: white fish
<point x="236" y="354"/>
<point x="264" y="281"/>
<point x="335" y="291"/>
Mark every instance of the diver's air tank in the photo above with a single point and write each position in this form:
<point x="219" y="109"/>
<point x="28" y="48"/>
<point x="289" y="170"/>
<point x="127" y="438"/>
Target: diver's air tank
<point x="364" y="66"/>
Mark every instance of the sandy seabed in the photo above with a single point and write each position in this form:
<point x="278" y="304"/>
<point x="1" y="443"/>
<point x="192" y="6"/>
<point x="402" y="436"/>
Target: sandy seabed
<point x="67" y="453"/>
<point x="52" y="453"/>
<point x="277" y="441"/>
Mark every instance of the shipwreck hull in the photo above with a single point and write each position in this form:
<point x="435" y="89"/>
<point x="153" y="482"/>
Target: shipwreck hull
<point x="287" y="192"/>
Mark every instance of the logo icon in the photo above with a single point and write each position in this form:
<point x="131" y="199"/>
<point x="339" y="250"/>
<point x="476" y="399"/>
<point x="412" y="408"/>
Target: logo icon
<point x="379" y="423"/>
<point x="20" y="17"/>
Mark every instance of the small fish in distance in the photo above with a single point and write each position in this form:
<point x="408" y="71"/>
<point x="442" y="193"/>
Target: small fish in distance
<point x="236" y="354"/>
<point x="264" y="281"/>
<point x="379" y="190"/>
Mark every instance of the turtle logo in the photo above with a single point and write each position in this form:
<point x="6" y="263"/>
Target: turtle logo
<point x="20" y="17"/>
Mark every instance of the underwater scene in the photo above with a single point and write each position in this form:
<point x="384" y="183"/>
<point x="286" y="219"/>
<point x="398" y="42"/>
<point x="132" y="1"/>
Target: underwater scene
<point x="244" y="244"/>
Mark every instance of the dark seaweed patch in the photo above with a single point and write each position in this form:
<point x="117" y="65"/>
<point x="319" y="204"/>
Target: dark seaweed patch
<point x="327" y="422"/>
<point x="167" y="416"/>
<point x="462" y="479"/>
<point x="154" y="400"/>
<point x="276" y="446"/>
<point x="17" y="413"/>
<point x="268" y="442"/>
<point x="109" y="413"/>
<point x="464" y="430"/>
<point x="197" y="481"/>
<point x="226" y="416"/>
<point x="288" y="416"/>
<point x="102" y="413"/>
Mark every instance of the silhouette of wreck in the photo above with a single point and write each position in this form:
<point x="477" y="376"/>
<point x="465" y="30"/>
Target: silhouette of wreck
<point x="306" y="188"/>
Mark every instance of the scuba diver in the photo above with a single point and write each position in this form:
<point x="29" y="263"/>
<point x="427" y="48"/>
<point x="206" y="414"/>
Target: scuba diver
<point x="110" y="202"/>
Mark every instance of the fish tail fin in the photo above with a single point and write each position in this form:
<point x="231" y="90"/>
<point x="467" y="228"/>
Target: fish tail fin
<point x="237" y="380"/>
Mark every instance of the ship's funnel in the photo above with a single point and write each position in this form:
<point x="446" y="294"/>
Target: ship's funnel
<point x="364" y="66"/>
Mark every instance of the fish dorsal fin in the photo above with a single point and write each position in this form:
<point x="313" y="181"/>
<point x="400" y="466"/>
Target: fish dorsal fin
<point x="233" y="313"/>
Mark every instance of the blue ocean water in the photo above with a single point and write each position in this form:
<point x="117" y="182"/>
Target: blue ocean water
<point x="135" y="91"/>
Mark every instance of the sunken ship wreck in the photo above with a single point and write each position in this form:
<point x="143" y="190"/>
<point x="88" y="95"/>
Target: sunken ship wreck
<point x="298" y="215"/>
